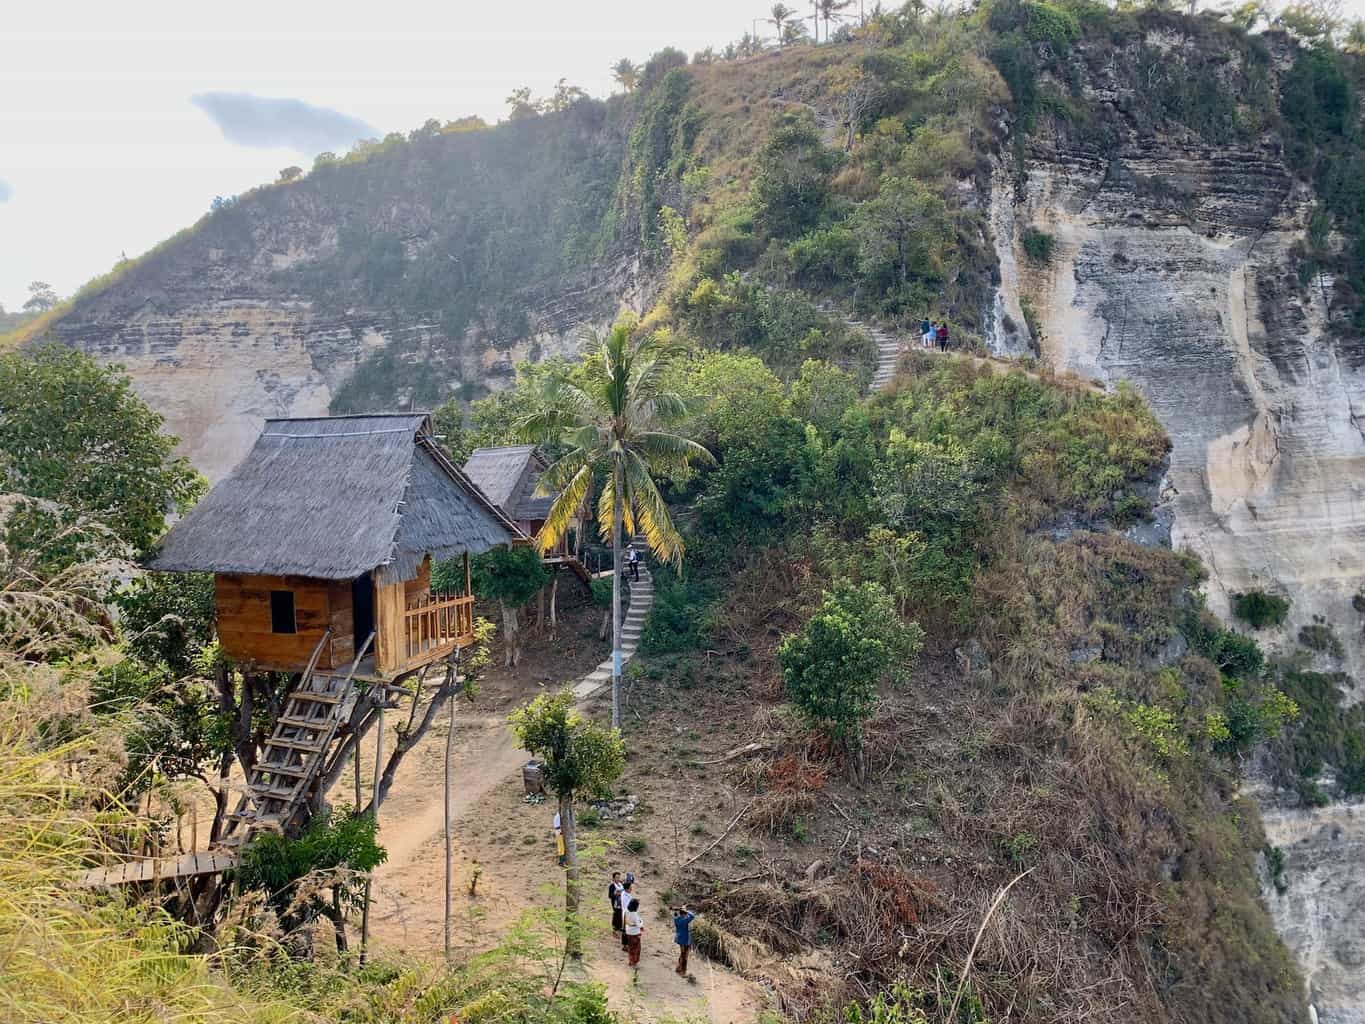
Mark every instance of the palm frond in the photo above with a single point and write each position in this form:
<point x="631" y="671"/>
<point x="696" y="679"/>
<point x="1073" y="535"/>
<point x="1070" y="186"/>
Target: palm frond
<point x="564" y="508"/>
<point x="652" y="512"/>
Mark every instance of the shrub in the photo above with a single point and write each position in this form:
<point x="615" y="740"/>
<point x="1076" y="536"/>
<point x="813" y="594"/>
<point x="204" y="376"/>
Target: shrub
<point x="1260" y="609"/>
<point x="833" y="666"/>
<point x="793" y="180"/>
<point x="1038" y="245"/>
<point x="1323" y="638"/>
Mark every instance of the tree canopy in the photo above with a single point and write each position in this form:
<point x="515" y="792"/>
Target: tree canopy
<point x="75" y="433"/>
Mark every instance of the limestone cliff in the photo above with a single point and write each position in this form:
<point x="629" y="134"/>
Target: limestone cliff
<point x="428" y="269"/>
<point x="1173" y="268"/>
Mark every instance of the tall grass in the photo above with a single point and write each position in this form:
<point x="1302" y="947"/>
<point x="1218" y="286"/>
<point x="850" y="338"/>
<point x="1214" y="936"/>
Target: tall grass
<point x="72" y="955"/>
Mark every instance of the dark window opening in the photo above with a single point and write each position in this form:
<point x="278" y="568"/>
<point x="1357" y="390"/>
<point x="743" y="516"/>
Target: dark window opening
<point x="282" y="612"/>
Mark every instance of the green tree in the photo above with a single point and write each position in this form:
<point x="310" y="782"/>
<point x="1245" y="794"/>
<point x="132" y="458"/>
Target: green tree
<point x="832" y="668"/>
<point x="580" y="758"/>
<point x="510" y="576"/>
<point x="288" y="174"/>
<point x="626" y="73"/>
<point x="792" y="183"/>
<point x="781" y="17"/>
<point x="41" y="297"/>
<point x="333" y="855"/>
<point x="75" y="433"/>
<point x="831" y="10"/>
<point x="610" y="421"/>
<point x="903" y="233"/>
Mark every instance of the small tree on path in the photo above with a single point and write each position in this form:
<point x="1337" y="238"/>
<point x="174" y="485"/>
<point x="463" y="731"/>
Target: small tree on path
<point x="580" y="758"/>
<point x="832" y="668"/>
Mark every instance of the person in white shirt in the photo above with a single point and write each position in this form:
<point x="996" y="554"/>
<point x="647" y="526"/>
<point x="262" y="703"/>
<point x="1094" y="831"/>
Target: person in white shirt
<point x="635" y="926"/>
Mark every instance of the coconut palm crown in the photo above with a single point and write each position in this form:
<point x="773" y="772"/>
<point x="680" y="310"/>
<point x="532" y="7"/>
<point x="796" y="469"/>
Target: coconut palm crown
<point x="610" y="419"/>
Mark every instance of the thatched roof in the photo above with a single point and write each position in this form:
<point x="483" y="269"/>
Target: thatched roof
<point x="334" y="498"/>
<point x="508" y="476"/>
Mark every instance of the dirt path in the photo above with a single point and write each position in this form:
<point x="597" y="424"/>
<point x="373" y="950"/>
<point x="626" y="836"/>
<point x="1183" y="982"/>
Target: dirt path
<point x="508" y="845"/>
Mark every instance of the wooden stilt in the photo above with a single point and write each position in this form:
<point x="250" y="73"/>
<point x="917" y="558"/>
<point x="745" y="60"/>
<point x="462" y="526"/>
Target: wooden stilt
<point x="378" y="773"/>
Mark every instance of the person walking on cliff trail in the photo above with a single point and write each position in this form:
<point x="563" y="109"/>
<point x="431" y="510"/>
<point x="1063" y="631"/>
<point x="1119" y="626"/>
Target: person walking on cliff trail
<point x="926" y="332"/>
<point x="682" y="935"/>
<point x="634" y="560"/>
<point x="943" y="336"/>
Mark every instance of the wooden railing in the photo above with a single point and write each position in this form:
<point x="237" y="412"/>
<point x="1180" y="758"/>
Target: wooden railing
<point x="437" y="626"/>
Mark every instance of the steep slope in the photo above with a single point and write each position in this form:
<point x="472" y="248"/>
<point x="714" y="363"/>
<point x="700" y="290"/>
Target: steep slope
<point x="425" y="269"/>
<point x="1178" y="263"/>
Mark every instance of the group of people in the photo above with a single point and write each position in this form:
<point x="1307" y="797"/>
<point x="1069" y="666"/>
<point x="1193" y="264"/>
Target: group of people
<point x="629" y="922"/>
<point x="934" y="332"/>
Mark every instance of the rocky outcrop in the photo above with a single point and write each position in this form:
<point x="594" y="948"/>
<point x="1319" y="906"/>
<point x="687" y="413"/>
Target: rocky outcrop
<point x="1173" y="268"/>
<point x="1313" y="882"/>
<point x="425" y="271"/>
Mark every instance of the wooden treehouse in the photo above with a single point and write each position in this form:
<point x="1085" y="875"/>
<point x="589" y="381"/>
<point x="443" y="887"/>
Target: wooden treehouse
<point x="326" y="533"/>
<point x="509" y="477"/>
<point x="321" y="543"/>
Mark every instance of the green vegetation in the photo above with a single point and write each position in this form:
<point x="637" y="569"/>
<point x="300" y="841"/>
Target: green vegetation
<point x="1038" y="246"/>
<point x="319" y="874"/>
<point x="833" y="666"/>
<point x="612" y="420"/>
<point x="73" y="433"/>
<point x="1320" y="636"/>
<point x="579" y="759"/>
<point x="1260" y="609"/>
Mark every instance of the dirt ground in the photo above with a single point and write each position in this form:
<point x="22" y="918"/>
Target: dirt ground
<point x="509" y="843"/>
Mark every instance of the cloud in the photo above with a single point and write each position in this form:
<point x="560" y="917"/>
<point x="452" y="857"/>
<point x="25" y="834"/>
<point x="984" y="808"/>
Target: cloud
<point x="5" y="191"/>
<point x="265" y="122"/>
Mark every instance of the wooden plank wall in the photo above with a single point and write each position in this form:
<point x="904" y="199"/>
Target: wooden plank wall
<point x="343" y="623"/>
<point x="244" y="620"/>
<point x="389" y="605"/>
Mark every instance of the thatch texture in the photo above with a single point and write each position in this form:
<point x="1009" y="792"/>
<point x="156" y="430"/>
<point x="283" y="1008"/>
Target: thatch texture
<point x="334" y="498"/>
<point x="508" y="476"/>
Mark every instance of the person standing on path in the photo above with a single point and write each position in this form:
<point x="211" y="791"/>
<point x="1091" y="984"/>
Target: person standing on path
<point x="926" y="330"/>
<point x="635" y="926"/>
<point x="614" y="890"/>
<point x="560" y="850"/>
<point x="682" y="934"/>
<point x="943" y="336"/>
<point x="627" y="897"/>
<point x="634" y="560"/>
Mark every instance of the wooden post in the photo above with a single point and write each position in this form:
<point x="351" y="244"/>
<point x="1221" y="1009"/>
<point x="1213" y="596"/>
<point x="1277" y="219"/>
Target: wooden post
<point x="378" y="773"/>
<point x="468" y="590"/>
<point x="452" y="679"/>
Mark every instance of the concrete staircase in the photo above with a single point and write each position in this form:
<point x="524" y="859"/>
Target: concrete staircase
<point x="889" y="349"/>
<point x="632" y="626"/>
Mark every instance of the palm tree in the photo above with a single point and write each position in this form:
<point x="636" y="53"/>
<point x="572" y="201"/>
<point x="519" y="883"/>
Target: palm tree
<point x="780" y="14"/>
<point x="626" y="73"/>
<point x="831" y="10"/>
<point x="610" y="423"/>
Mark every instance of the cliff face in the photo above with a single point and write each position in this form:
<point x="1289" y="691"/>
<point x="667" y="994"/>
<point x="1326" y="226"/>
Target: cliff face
<point x="427" y="270"/>
<point x="1173" y="268"/>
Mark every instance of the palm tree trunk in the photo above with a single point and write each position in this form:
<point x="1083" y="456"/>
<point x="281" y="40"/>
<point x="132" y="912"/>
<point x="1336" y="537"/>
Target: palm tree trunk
<point x="572" y="940"/>
<point x="616" y="596"/>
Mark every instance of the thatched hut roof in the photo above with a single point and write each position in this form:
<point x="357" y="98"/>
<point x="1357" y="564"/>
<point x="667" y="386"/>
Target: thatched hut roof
<point x="334" y="498"/>
<point x="508" y="476"/>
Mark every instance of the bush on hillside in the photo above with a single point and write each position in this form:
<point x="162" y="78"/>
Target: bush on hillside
<point x="833" y="667"/>
<point x="1259" y="609"/>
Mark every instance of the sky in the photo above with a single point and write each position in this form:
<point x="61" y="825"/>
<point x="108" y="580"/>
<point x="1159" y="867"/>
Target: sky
<point x="119" y="123"/>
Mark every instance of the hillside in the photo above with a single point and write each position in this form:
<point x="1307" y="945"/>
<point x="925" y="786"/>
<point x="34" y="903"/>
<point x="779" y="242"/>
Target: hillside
<point x="1158" y="203"/>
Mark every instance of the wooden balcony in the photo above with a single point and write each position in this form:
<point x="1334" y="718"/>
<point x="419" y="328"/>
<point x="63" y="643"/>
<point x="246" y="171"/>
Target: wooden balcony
<point x="434" y="626"/>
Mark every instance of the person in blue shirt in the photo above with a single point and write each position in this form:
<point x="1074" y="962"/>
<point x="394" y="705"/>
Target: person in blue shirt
<point x="682" y="934"/>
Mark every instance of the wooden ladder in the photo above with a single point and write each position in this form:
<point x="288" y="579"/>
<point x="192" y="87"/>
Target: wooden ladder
<point x="281" y="781"/>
